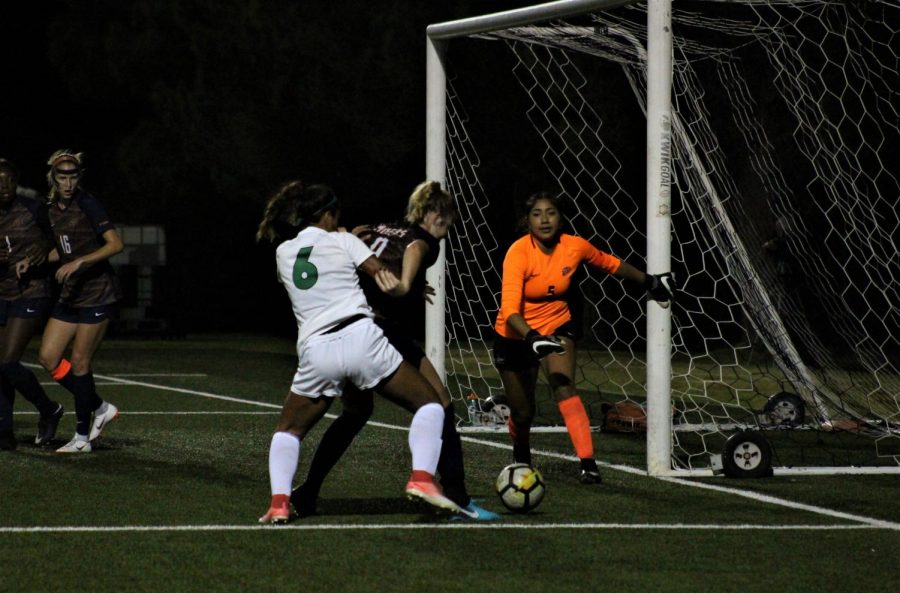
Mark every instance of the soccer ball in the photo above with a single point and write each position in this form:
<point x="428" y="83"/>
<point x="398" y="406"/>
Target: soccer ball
<point x="521" y="487"/>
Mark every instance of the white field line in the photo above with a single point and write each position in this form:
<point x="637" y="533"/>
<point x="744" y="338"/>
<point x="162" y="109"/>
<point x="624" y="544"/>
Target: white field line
<point x="434" y="526"/>
<point x="764" y="498"/>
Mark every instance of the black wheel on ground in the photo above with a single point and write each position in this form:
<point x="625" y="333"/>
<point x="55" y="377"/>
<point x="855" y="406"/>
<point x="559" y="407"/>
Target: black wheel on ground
<point x="747" y="454"/>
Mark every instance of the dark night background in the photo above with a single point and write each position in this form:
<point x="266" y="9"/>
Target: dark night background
<point x="192" y="113"/>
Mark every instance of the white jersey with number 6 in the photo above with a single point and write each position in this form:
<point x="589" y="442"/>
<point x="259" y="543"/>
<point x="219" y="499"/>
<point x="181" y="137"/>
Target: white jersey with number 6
<point x="318" y="270"/>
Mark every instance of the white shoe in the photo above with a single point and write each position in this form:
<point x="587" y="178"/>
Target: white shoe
<point x="101" y="420"/>
<point x="76" y="445"/>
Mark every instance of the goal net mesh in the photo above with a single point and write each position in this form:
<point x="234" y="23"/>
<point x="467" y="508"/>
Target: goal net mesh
<point x="785" y="188"/>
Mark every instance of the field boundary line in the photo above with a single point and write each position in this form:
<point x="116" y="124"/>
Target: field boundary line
<point x="764" y="498"/>
<point x="433" y="526"/>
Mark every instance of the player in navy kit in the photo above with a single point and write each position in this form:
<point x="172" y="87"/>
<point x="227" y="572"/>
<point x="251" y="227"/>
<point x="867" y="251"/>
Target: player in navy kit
<point x="24" y="300"/>
<point x="85" y="239"/>
<point x="340" y="351"/>
<point x="407" y="248"/>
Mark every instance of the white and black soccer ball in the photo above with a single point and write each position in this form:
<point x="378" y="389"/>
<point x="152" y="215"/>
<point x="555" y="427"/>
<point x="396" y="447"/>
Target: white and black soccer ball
<point x="521" y="487"/>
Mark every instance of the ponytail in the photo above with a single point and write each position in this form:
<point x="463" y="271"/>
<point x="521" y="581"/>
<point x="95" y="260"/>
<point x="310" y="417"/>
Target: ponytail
<point x="280" y="215"/>
<point x="295" y="207"/>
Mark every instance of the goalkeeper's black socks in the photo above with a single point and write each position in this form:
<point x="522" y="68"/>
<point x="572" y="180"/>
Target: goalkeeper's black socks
<point x="450" y="463"/>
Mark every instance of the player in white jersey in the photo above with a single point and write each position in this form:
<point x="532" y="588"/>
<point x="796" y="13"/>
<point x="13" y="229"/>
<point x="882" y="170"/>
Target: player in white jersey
<point x="340" y="349"/>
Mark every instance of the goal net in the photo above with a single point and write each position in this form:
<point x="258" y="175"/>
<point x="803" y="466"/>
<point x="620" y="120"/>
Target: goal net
<point x="784" y="215"/>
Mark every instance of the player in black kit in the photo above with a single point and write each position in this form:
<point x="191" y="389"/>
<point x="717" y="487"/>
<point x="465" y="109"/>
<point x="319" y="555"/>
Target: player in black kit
<point x="85" y="239"/>
<point x="24" y="300"/>
<point x="408" y="248"/>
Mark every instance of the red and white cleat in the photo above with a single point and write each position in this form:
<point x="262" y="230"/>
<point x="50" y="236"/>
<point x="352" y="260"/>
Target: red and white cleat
<point x="279" y="511"/>
<point x="421" y="486"/>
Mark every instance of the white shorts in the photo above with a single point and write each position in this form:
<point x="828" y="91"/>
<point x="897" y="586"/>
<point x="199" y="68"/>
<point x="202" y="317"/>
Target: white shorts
<point x="358" y="353"/>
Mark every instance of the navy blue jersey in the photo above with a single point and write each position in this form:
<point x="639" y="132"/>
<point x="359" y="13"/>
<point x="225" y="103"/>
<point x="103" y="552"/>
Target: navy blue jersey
<point x="77" y="231"/>
<point x="24" y="230"/>
<point x="389" y="242"/>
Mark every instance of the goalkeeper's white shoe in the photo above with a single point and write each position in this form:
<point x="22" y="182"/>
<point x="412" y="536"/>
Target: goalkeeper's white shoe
<point x="101" y="419"/>
<point x="76" y="445"/>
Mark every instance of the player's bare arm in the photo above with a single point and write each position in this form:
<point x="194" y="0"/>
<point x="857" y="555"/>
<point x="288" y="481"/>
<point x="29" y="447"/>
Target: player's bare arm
<point x="412" y="260"/>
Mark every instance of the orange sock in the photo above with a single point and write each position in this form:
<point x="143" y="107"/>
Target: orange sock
<point x="579" y="426"/>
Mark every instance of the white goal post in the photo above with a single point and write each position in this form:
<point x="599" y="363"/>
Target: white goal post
<point x="750" y="352"/>
<point x="659" y="64"/>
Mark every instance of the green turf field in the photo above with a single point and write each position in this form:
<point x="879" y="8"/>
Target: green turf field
<point x="168" y="501"/>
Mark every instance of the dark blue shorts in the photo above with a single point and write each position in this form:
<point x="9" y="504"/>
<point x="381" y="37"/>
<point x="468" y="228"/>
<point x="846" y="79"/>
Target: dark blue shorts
<point x="24" y="309"/>
<point x="89" y="315"/>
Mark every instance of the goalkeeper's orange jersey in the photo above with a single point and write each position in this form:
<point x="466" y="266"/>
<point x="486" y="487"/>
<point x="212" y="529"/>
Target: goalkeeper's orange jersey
<point x="535" y="283"/>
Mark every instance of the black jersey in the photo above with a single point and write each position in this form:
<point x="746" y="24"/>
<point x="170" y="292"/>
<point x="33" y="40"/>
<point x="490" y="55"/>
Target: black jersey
<point x="23" y="227"/>
<point x="389" y="242"/>
<point x="78" y="230"/>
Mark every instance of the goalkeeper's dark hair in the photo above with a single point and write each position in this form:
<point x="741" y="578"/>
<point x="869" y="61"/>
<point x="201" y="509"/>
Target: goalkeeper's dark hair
<point x="429" y="196"/>
<point x="558" y="201"/>
<point x="293" y="208"/>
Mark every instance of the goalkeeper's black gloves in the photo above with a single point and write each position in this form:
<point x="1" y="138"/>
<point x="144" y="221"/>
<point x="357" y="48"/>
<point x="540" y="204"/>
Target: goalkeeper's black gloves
<point x="544" y="345"/>
<point x="661" y="288"/>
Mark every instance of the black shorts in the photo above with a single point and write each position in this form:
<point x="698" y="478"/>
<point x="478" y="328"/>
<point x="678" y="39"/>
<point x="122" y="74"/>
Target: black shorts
<point x="24" y="309"/>
<point x="406" y="346"/>
<point x="516" y="354"/>
<point x="88" y="315"/>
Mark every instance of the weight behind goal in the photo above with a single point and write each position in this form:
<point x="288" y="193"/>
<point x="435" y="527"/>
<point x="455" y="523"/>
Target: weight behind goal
<point x="784" y="226"/>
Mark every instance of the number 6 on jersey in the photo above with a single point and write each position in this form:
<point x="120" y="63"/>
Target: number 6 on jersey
<point x="305" y="272"/>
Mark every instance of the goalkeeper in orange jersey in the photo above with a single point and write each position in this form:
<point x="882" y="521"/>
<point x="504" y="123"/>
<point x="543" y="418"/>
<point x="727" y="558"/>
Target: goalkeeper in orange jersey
<point x="535" y="328"/>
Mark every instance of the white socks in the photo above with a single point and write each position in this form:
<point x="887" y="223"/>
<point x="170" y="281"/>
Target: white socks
<point x="425" y="437"/>
<point x="284" y="455"/>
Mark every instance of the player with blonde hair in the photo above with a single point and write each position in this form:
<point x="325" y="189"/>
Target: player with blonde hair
<point x="85" y="240"/>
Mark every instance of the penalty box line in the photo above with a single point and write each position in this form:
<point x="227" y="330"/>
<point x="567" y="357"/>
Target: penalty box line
<point x="763" y="498"/>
